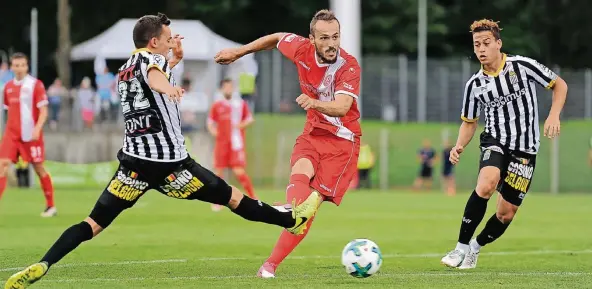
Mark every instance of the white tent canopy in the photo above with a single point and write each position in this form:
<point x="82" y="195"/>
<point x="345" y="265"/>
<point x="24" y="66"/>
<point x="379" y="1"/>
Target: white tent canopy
<point x="200" y="46"/>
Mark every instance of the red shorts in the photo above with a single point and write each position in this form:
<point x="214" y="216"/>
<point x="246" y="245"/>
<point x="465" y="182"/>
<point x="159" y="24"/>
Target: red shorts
<point x="227" y="158"/>
<point x="334" y="159"/>
<point x="31" y="152"/>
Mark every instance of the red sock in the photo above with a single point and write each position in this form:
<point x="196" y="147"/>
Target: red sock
<point x="2" y="185"/>
<point x="298" y="188"/>
<point x="246" y="183"/>
<point x="47" y="187"/>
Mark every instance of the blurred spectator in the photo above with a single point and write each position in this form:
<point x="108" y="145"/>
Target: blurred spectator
<point x="86" y="98"/>
<point x="55" y="93"/>
<point x="105" y="87"/>
<point x="447" y="170"/>
<point x="365" y="164"/>
<point x="427" y="156"/>
<point x="5" y="74"/>
<point x="246" y="87"/>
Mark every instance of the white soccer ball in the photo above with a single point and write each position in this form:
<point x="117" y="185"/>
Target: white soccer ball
<point x="362" y="258"/>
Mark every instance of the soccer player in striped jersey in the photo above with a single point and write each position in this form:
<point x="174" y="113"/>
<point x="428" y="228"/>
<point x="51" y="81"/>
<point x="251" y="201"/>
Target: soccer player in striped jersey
<point x="504" y="88"/>
<point x="154" y="156"/>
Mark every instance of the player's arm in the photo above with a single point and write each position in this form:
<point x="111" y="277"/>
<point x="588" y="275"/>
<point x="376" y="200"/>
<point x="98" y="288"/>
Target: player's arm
<point x="550" y="80"/>
<point x="158" y="79"/>
<point x="5" y="98"/>
<point x="287" y="43"/>
<point x="471" y="109"/>
<point x="247" y="119"/>
<point x="41" y="102"/>
<point x="347" y="89"/>
<point x="211" y="122"/>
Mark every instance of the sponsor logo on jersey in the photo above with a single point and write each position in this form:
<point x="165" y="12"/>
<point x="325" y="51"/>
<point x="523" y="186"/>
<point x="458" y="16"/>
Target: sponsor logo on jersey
<point x="181" y="184"/>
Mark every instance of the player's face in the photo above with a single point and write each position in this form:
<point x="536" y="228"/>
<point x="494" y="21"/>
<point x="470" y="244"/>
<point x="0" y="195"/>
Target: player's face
<point x="20" y="67"/>
<point x="227" y="90"/>
<point x="485" y="46"/>
<point x="326" y="40"/>
<point x="164" y="43"/>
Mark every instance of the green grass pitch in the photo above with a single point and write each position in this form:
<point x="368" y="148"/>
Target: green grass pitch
<point x="167" y="243"/>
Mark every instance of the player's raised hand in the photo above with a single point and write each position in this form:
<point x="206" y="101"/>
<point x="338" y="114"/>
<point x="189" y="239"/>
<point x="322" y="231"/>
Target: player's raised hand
<point x="228" y="56"/>
<point x="306" y="101"/>
<point x="178" y="48"/>
<point x="455" y="154"/>
<point x="552" y="127"/>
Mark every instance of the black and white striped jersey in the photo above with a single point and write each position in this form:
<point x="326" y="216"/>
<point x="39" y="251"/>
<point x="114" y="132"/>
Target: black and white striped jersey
<point x="152" y="122"/>
<point x="509" y="100"/>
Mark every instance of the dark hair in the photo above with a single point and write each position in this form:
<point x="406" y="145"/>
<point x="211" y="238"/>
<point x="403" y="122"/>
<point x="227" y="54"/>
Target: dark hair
<point x="224" y="81"/>
<point x="322" y="15"/>
<point x="19" y="55"/>
<point x="486" y="25"/>
<point x="147" y="27"/>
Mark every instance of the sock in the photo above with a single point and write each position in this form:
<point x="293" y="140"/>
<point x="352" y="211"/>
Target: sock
<point x="474" y="212"/>
<point x="246" y="183"/>
<point x="462" y="247"/>
<point x="257" y="211"/>
<point x="493" y="230"/>
<point x="299" y="188"/>
<point x="67" y="242"/>
<point x="2" y="185"/>
<point x="475" y="246"/>
<point x="47" y="187"/>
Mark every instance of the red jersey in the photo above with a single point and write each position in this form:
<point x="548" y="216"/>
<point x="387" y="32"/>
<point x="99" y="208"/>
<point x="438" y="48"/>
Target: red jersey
<point x="23" y="99"/>
<point x="323" y="81"/>
<point x="227" y="115"/>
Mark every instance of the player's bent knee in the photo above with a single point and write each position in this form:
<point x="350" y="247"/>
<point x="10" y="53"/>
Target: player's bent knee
<point x="39" y="169"/>
<point x="238" y="171"/>
<point x="235" y="198"/>
<point x="488" y="179"/>
<point x="505" y="217"/>
<point x="96" y="228"/>
<point x="303" y="166"/>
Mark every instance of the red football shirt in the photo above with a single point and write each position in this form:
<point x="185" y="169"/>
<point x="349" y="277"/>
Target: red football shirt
<point x="227" y="115"/>
<point x="23" y="99"/>
<point x="323" y="81"/>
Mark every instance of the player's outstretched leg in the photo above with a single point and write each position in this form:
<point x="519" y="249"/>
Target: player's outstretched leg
<point x="293" y="220"/>
<point x="473" y="215"/>
<point x="494" y="228"/>
<point x="47" y="187"/>
<point x="101" y="217"/>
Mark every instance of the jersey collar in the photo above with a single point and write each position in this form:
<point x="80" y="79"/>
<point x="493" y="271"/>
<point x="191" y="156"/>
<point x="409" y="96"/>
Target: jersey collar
<point x="140" y="50"/>
<point x="499" y="69"/>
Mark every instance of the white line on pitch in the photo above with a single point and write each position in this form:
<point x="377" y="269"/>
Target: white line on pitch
<point x="105" y="264"/>
<point x="493" y="274"/>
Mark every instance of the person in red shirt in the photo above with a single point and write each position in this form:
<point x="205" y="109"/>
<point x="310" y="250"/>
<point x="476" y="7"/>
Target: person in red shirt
<point x="325" y="156"/>
<point x="26" y="102"/>
<point x="227" y="122"/>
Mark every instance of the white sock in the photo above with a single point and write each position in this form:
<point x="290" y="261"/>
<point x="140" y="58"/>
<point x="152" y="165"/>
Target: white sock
<point x="475" y="247"/>
<point x="462" y="247"/>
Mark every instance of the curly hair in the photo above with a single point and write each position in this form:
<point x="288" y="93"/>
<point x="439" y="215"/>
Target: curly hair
<point x="486" y="25"/>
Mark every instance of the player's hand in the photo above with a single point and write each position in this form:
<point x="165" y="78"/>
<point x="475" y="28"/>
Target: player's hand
<point x="306" y="101"/>
<point x="214" y="132"/>
<point x="36" y="134"/>
<point x="552" y="127"/>
<point x="228" y="56"/>
<point x="178" y="48"/>
<point x="455" y="154"/>
<point x="175" y="94"/>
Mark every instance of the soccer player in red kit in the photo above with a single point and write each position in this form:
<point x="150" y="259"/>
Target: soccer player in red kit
<point x="227" y="122"/>
<point x="325" y="156"/>
<point x="26" y="102"/>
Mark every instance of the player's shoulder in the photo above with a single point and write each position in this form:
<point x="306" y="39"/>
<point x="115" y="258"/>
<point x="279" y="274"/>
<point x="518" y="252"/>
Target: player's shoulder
<point x="519" y="58"/>
<point x="350" y="60"/>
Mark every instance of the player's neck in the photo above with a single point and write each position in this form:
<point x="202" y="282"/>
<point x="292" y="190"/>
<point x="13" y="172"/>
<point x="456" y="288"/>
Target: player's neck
<point x="496" y="66"/>
<point x="19" y="77"/>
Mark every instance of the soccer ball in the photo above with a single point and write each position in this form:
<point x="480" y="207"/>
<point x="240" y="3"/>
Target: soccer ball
<point x="362" y="258"/>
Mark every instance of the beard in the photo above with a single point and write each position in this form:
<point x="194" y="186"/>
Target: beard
<point x="323" y="59"/>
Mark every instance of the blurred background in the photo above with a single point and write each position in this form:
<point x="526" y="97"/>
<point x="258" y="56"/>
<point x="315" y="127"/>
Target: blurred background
<point x="415" y="56"/>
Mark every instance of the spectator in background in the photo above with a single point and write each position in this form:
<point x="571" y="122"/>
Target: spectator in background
<point x="86" y="98"/>
<point x="246" y="87"/>
<point x="55" y="93"/>
<point x="6" y="74"/>
<point x="365" y="164"/>
<point x="105" y="87"/>
<point x="447" y="170"/>
<point x="427" y="157"/>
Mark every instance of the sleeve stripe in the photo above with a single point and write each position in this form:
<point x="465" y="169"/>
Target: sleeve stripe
<point x="42" y="103"/>
<point x="468" y="120"/>
<point x="346" y="92"/>
<point x="281" y="39"/>
<point x="157" y="67"/>
<point x="551" y="84"/>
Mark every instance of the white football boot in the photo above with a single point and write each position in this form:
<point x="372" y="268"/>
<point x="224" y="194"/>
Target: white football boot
<point x="49" y="212"/>
<point x="470" y="261"/>
<point x="454" y="258"/>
